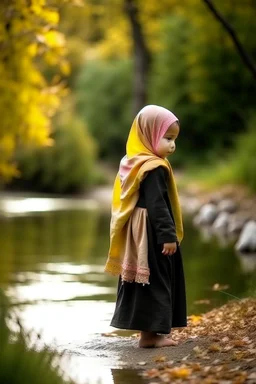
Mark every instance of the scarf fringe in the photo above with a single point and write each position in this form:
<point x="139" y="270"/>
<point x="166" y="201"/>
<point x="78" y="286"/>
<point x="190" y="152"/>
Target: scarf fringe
<point x="128" y="273"/>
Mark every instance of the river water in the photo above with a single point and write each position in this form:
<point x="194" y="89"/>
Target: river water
<point x="51" y="268"/>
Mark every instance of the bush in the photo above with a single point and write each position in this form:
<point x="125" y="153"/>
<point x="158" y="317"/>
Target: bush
<point x="237" y="167"/>
<point x="243" y="159"/>
<point x="104" y="92"/>
<point x="66" y="166"/>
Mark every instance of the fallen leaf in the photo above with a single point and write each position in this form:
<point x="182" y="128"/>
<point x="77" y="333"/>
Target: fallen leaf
<point x="216" y="361"/>
<point x="197" y="349"/>
<point x="181" y="373"/>
<point x="195" y="319"/>
<point x="196" y="367"/>
<point x="109" y="334"/>
<point x="205" y="301"/>
<point x="239" y="343"/>
<point x="214" y="348"/>
<point x="218" y="287"/>
<point x="160" y="359"/>
<point x="227" y="348"/>
<point x="252" y="376"/>
<point x="152" y="373"/>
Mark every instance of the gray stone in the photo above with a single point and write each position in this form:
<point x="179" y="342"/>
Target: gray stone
<point x="206" y="215"/>
<point x="247" y="240"/>
<point x="220" y="224"/>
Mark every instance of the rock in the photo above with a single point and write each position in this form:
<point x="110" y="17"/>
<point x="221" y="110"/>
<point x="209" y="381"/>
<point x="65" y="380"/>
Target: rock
<point x="190" y="205"/>
<point x="206" y="215"/>
<point x="236" y="223"/>
<point x="227" y="205"/>
<point x="247" y="240"/>
<point x="220" y="224"/>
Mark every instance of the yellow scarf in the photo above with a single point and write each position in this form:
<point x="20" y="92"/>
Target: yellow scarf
<point x="141" y="159"/>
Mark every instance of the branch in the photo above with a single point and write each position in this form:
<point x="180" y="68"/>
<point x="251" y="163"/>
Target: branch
<point x="241" y="50"/>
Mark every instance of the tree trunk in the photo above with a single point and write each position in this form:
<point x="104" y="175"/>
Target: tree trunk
<point x="141" y="57"/>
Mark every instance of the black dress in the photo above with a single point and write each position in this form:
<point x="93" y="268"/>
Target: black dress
<point x="160" y="305"/>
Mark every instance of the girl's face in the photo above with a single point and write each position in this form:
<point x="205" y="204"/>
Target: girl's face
<point x="166" y="145"/>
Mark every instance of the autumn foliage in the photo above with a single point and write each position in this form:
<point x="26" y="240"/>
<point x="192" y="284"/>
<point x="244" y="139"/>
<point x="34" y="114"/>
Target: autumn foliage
<point x="28" y="32"/>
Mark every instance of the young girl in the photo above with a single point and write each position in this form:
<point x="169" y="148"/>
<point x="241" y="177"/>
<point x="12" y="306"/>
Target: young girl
<point x="145" y="232"/>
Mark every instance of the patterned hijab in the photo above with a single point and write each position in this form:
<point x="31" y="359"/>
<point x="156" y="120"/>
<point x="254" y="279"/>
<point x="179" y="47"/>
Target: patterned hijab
<point x="148" y="127"/>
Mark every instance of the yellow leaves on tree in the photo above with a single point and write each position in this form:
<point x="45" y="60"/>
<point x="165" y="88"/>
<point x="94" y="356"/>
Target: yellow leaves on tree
<point x="29" y="41"/>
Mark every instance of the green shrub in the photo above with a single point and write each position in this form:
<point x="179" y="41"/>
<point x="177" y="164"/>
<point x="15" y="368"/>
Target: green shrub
<point x="104" y="92"/>
<point x="67" y="165"/>
<point x="243" y="158"/>
<point x="237" y="167"/>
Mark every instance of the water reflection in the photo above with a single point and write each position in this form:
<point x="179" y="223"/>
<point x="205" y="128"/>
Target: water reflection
<point x="54" y="289"/>
<point x="25" y="206"/>
<point x="123" y="376"/>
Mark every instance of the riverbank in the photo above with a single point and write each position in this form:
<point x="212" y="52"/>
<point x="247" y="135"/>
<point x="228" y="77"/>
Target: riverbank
<point x="216" y="347"/>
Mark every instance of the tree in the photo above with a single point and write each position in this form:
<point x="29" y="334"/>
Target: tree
<point x="29" y="39"/>
<point x="246" y="58"/>
<point x="141" y="57"/>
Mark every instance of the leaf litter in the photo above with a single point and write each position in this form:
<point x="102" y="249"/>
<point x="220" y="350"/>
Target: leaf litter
<point x="226" y="350"/>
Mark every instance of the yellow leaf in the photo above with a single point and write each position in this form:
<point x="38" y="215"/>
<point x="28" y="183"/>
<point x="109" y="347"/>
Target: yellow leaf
<point x="218" y="287"/>
<point x="65" y="67"/>
<point x="160" y="359"/>
<point x="52" y="17"/>
<point x="214" y="348"/>
<point x="195" y="319"/>
<point x="181" y="373"/>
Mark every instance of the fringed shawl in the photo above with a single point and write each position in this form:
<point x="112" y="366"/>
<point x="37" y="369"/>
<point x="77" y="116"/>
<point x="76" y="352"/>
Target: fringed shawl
<point x="148" y="127"/>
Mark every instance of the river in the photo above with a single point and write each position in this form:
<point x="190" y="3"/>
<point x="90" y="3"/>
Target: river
<point x="51" y="268"/>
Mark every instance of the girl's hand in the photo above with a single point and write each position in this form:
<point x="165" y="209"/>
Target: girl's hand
<point x="169" y="248"/>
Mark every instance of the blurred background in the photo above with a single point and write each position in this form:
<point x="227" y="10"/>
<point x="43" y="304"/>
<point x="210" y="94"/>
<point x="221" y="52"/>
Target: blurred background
<point x="73" y="74"/>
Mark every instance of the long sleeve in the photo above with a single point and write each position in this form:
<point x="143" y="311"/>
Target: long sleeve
<point x="154" y="189"/>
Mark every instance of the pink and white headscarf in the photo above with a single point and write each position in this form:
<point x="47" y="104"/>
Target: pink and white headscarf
<point x="148" y="127"/>
<point x="153" y="124"/>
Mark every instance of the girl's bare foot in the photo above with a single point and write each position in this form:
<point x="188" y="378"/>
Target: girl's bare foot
<point x="153" y="340"/>
<point x="165" y="342"/>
